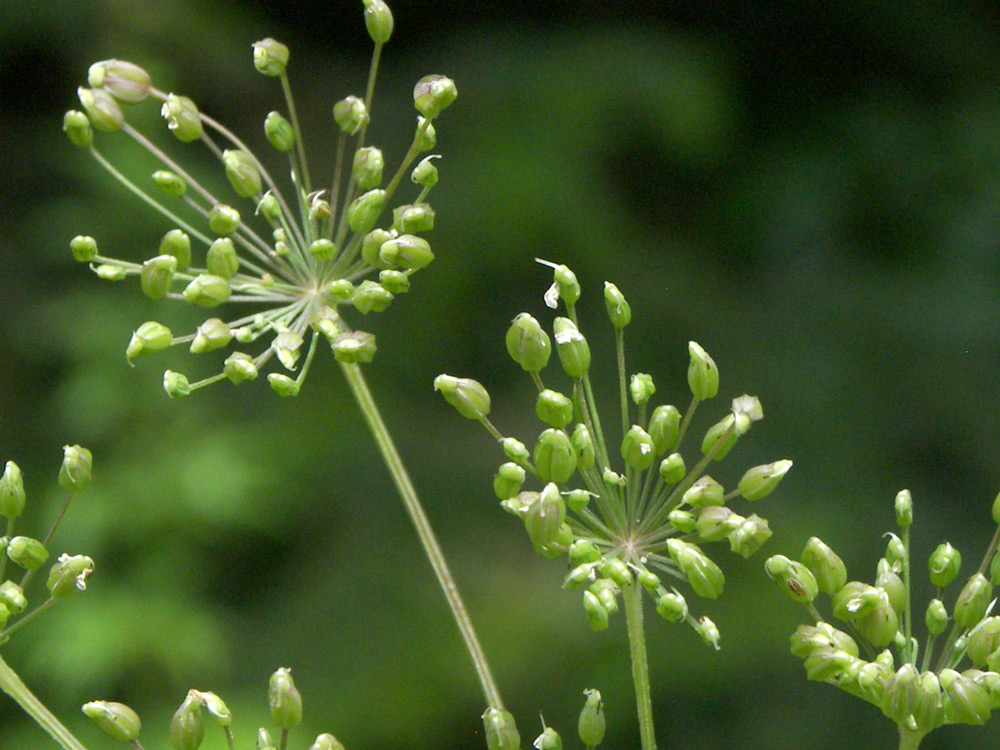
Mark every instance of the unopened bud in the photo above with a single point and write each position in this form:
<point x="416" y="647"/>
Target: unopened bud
<point x="364" y="211"/>
<point x="591" y="724"/>
<point x="74" y="474"/>
<point x="242" y="172"/>
<point x="157" y="275"/>
<point x="973" y="601"/>
<point x="793" y="577"/>
<point x="500" y="730"/>
<point x="554" y="408"/>
<point x="183" y="118"/>
<point x="186" y="727"/>
<point x="284" y="699"/>
<point x="27" y="552"/>
<point x="406" y="251"/>
<point x="468" y="396"/>
<point x="223" y="219"/>
<point x="572" y="347"/>
<point x="703" y="374"/>
<point x="115" y="719"/>
<point x="583" y="444"/>
<point x="77" y="127"/>
<point x="432" y="94"/>
<point x="69" y="574"/>
<point x="270" y="57"/>
<point x="944" y="564"/>
<point x="637" y="448"/>
<point x="125" y="81"/>
<point x="176" y="384"/>
<point x="170" y="183"/>
<point x="825" y="565"/>
<point x="206" y="290"/>
<point x="239" y="367"/>
<point x="12" y="497"/>
<point x="350" y="114"/>
<point x="554" y="456"/>
<point x="367" y="169"/>
<point x="425" y="173"/>
<point x="760" y="481"/>
<point x="528" y="344"/>
<point x="101" y="108"/>
<point x="618" y="308"/>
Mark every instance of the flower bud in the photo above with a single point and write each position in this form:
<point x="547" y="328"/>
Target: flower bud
<point x="749" y="536"/>
<point x="371" y="297"/>
<point x="807" y="638"/>
<point x="350" y="114"/>
<point x="944" y="564"/>
<point x="760" y="481"/>
<point x="364" y="211"/>
<point x="432" y="94"/>
<point x="183" y="118"/>
<point x="708" y="632"/>
<point x="367" y="168"/>
<point x="972" y="602"/>
<point x="683" y="520"/>
<point x="854" y="599"/>
<point x="115" y="719"/>
<point x="176" y="244"/>
<point x="554" y="409"/>
<point x="508" y="480"/>
<point x="242" y="172"/>
<point x="572" y="347"/>
<point x="74" y="474"/>
<point x="12" y="497"/>
<point x="282" y="384"/>
<point x="614" y="569"/>
<point x="500" y="729"/>
<point x="720" y="438"/>
<point x="284" y="699"/>
<point x="902" y="694"/>
<point x="564" y="285"/>
<point x="326" y="742"/>
<point x="286" y="346"/>
<point x="597" y="613"/>
<point x="584" y="446"/>
<point x="641" y="388"/>
<point x="515" y="450"/>
<point x="715" y="523"/>
<point x="983" y="641"/>
<point x="156" y="276"/>
<point x="279" y="132"/>
<point x="69" y="574"/>
<point x="223" y="219"/>
<point x="618" y="308"/>
<point x="672" y="469"/>
<point x="664" y="425"/>
<point x="968" y="702"/>
<point x="12" y="598"/>
<point x="84" y="248"/>
<point x="101" y="108"/>
<point x="637" y="448"/>
<point x="425" y="173"/>
<point x="793" y="577"/>
<point x="221" y="259"/>
<point x="904" y="508"/>
<point x="394" y="282"/>
<point x="270" y="57"/>
<point x="239" y="367"/>
<point x="895" y="552"/>
<point x="528" y="344"/>
<point x="827" y="662"/>
<point x="77" y="127"/>
<point x="206" y="290"/>
<point x="880" y="623"/>
<point x="549" y="739"/>
<point x="704" y="575"/>
<point x="703" y="375"/>
<point x="412" y="218"/>
<point x="170" y="183"/>
<point x="29" y="553"/>
<point x="671" y="607"/>
<point x="356" y="346"/>
<point x="892" y="584"/>
<point x="825" y="565"/>
<point x="186" y="727"/>
<point x="425" y="137"/>
<point x="591" y="724"/>
<point x="264" y="740"/>
<point x="554" y="456"/>
<point x="704" y="492"/>
<point x="649" y="580"/>
<point x="406" y="251"/>
<point x="125" y="81"/>
<point x="176" y="384"/>
<point x="936" y="617"/>
<point x="378" y="20"/>
<point x="544" y="516"/>
<point x="212" y="334"/>
<point x="467" y="395"/>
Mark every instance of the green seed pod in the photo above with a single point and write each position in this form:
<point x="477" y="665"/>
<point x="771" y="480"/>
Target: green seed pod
<point x="221" y="259"/>
<point x="641" y="388"/>
<point x="350" y="114"/>
<point x="508" y="480"/>
<point x="156" y="276"/>
<point x="554" y="409"/>
<point x="591" y="724"/>
<point x="270" y="57"/>
<point x="12" y="598"/>
<point x="211" y="335"/>
<point x="406" y="251"/>
<point x="279" y="132"/>
<point x="432" y="94"/>
<point x="170" y="183"/>
<point x="77" y="127"/>
<point x="618" y="308"/>
<point x="584" y="447"/>
<point x="364" y="211"/>
<point x="572" y="347"/>
<point x="378" y="21"/>
<point x="545" y="515"/>
<point x="793" y="577"/>
<point x="983" y="641"/>
<point x="500" y="730"/>
<point x="944" y="564"/>
<point x="936" y="617"/>
<point x="548" y="740"/>
<point x="528" y="344"/>
<point x="749" y="536"/>
<point x="671" y="607"/>
<point x="972" y="602"/>
<point x="716" y="522"/>
<point x="223" y="219"/>
<point x="69" y="574"/>
<point x="664" y="425"/>
<point x="637" y="448"/>
<point x="425" y="173"/>
<point x="125" y="81"/>
<point x="284" y="700"/>
<point x="367" y="169"/>
<point x="115" y="719"/>
<point x="904" y="508"/>
<point x="27" y="552"/>
<point x="704" y="575"/>
<point x="326" y="742"/>
<point x="426" y="136"/>
<point x="704" y="492"/>
<point x="720" y="437"/>
<point x="760" y="481"/>
<point x="892" y="584"/>
<point x="968" y="702"/>
<point x="468" y="396"/>
<point x="12" y="497"/>
<point x="672" y="469"/>
<point x="554" y="456"/>
<point x="683" y="520"/>
<point x="183" y="118"/>
<point x="206" y="290"/>
<point x="75" y="471"/>
<point x="242" y="172"/>
<point x="175" y="384"/>
<point x="282" y="384"/>
<point x="101" y="108"/>
<point x="239" y="367"/>
<point x="825" y="565"/>
<point x="597" y="613"/>
<point x="177" y="244"/>
<point x="703" y="374"/>
<point x="186" y="727"/>
<point x="370" y="296"/>
<point x="84" y="248"/>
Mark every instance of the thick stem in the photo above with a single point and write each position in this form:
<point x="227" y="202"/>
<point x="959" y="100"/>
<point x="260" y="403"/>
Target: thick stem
<point x="423" y="528"/>
<point x="640" y="666"/>
<point x="909" y="739"/>
<point x="16" y="689"/>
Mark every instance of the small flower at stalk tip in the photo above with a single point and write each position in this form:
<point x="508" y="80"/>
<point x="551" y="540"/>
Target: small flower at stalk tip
<point x="186" y="727"/>
<point x="215" y="706"/>
<point x="69" y="574"/>
<point x="206" y="290"/>
<point x="747" y="410"/>
<point x="564" y="285"/>
<point x="895" y="552"/>
<point x="183" y="118"/>
<point x="157" y="275"/>
<point x="709" y="632"/>
<point x="465" y="394"/>
<point x="577" y="500"/>
<point x="432" y="94"/>
<point x="682" y="520"/>
<point x="426" y="135"/>
<point x="968" y="702"/>
<point x="641" y="388"/>
<point x="170" y="183"/>
<point x="613" y="479"/>
<point x="242" y="172"/>
<point x="12" y="598"/>
<point x="279" y="132"/>
<point x="591" y="725"/>
<point x="904" y="508"/>
<point x="148" y="338"/>
<point x="425" y="173"/>
<point x="12" y="497"/>
<point x="572" y="347"/>
<point x="125" y="81"/>
<point x="760" y="481"/>
<point x="221" y="259"/>
<point x="508" y="480"/>
<point x="554" y="408"/>
<point x="514" y="449"/>
<point x="394" y="282"/>
<point x="528" y="344"/>
<point x="371" y="246"/>
<point x="77" y="127"/>
<point x="176" y="384"/>
<point x="549" y="739"/>
<point x="223" y="219"/>
<point x="584" y="551"/>
<point x="983" y="641"/>
<point x="378" y="20"/>
<point x="672" y="469"/>
<point x="671" y="606"/>
<point x="412" y="218"/>
<point x="269" y="208"/>
<point x="637" y="448"/>
<point x="554" y="456"/>
<point x="27" y="552"/>
<point x="826" y="662"/>
<point x="176" y="244"/>
<point x="597" y="613"/>
<point x="704" y="575"/>
<point x="326" y="742"/>
<point x="944" y="564"/>
<point x="703" y="374"/>
<point x="367" y="168"/>
<point x="855" y="599"/>
<point x="973" y="601"/>
<point x="406" y="251"/>
<point x="720" y="438"/>
<point x="211" y="335"/>
<point x="793" y="577"/>
<point x="115" y="719"/>
<point x="350" y="114"/>
<point x="356" y="346"/>
<point x="664" y="426"/>
<point x="284" y="699"/>
<point x="74" y="473"/>
<point x="807" y="638"/>
<point x="287" y="345"/>
<point x="825" y="565"/>
<point x="892" y="584"/>
<point x="936" y="617"/>
<point x="282" y="384"/>
<point x="545" y="515"/>
<point x="584" y="446"/>
<point x="364" y="211"/>
<point x="704" y="492"/>
<point x="264" y="741"/>
<point x="270" y="57"/>
<point x="239" y="367"/>
<point x="84" y="248"/>
<point x="500" y="729"/>
<point x="101" y="108"/>
<point x="749" y="536"/>
<point x="618" y="308"/>
<point x="880" y="624"/>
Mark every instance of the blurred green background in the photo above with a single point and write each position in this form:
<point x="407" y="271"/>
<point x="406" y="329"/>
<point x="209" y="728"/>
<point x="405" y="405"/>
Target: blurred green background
<point x="809" y="190"/>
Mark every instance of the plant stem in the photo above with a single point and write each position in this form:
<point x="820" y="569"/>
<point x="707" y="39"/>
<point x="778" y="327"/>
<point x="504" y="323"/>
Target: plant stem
<point x="411" y="502"/>
<point x="909" y="739"/>
<point x="640" y="666"/>
<point x="16" y="689"/>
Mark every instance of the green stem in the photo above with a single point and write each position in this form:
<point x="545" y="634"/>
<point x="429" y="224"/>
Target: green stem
<point x="640" y="666"/>
<point x="909" y="739"/>
<point x="16" y="689"/>
<point x="393" y="462"/>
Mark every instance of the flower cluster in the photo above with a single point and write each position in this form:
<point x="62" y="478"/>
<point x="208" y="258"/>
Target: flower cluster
<point x="501" y="731"/>
<point x="295" y="262"/>
<point x="879" y="660"/>
<point x="619" y="518"/>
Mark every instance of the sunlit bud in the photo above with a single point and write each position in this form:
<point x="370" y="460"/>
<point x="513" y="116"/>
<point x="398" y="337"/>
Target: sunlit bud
<point x="27" y="552"/>
<point x="528" y="344"/>
<point x="904" y="508"/>
<point x="468" y="396"/>
<point x="239" y="367"/>
<point x="350" y="114"/>
<point x="704" y="575"/>
<point x="508" y="480"/>
<point x="545" y="515"/>
<point x="553" y="408"/>
<point x="892" y="584"/>
<point x="364" y="210"/>
<point x="716" y="522"/>
<point x="618" y="308"/>
<point x="394" y="282"/>
<point x="170" y="183"/>
<point x="895" y="552"/>
<point x="577" y="500"/>
<point x="597" y="613"/>
<point x="186" y="727"/>
<point x="156" y="276"/>
<point x="515" y="450"/>
<point x="206" y="290"/>
<point x="284" y="699"/>
<point x="983" y="641"/>
<point x="583" y="445"/>
<point x="367" y="168"/>
<point x="178" y="245"/>
<point x="101" y="108"/>
<point x="84" y="248"/>
<point x="279" y="132"/>
<point x="709" y="632"/>
<point x="69" y="574"/>
<point x="115" y="719"/>
<point x="936" y="617"/>
<point x="672" y="469"/>
<point x="406" y="251"/>
<point x="500" y="730"/>
<point x="175" y="384"/>
<point x="572" y="347"/>
<point x="370" y="296"/>
<point x="880" y="623"/>
<point x="554" y="456"/>
<point x="808" y="638"/>
<point x="671" y="607"/>
<point x="125" y="81"/>
<point x="683" y="520"/>
<point x="221" y="259"/>
<point x="183" y="118"/>
<point x="760" y="481"/>
<point x="432" y="94"/>
<point x="77" y="127"/>
<point x="265" y="741"/>
<point x="793" y="577"/>
<point x="584" y="551"/>
<point x="825" y="565"/>
<point x="12" y="598"/>
<point x="12" y="497"/>
<point x="110" y="272"/>
<point x="426" y="136"/>
<point x="425" y="173"/>
<point x="566" y="285"/>
<point x="944" y="564"/>
<point x="223" y="219"/>
<point x="968" y="702"/>
<point x="704" y="492"/>
<point x="972" y="602"/>
<point x="242" y="172"/>
<point x="637" y="448"/>
<point x="720" y="438"/>
<point x="326" y="742"/>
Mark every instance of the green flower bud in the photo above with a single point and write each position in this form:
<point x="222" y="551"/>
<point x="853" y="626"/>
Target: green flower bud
<point x="170" y="183"/>
<point x="703" y="375"/>
<point x="364" y="211"/>
<point x="704" y="492"/>
<point x="683" y="520"/>
<point x="367" y="168"/>
<point x="936" y="617"/>
<point x="206" y="290"/>
<point x="223" y="219"/>
<point x="110" y="272"/>
<point x="641" y="388"/>
<point x="515" y="450"/>
<point x="282" y="384"/>
<point x="500" y="729"/>
<point x="880" y="623"/>
<point x="664" y="426"/>
<point x="279" y="132"/>
<point x="548" y="740"/>
<point x="508" y="480"/>
<point x="467" y="395"/>
<point x="807" y="638"/>
<point x="584" y="446"/>
<point x="221" y="259"/>
<point x="264" y="740"/>
<point x="895" y="552"/>
<point x="597" y="613"/>
<point x="183" y="118"/>
<point x="544" y="516"/>
<point x="239" y="367"/>
<point x="793" y="577"/>
<point x="715" y="523"/>
<point x="269" y="208"/>
<point x="618" y="308"/>
<point x="972" y="602"/>
<point x="572" y="347"/>
<point x="27" y="552"/>
<point x="12" y="598"/>
<point x="215" y="706"/>
<point x="944" y="564"/>
<point x="528" y="344"/>
<point x="720" y="437"/>
<point x="704" y="575"/>
<point x="156" y="276"/>
<point x="983" y="641"/>
<point x="577" y="500"/>
<point x="212" y="334"/>
<point x="825" y="565"/>
<point x="177" y="244"/>
<point x="904" y="508"/>
<point x="101" y="108"/>
<point x="115" y="719"/>
<point x="553" y="408"/>
<point x="74" y="473"/>
<point x="394" y="282"/>
<point x="356" y="346"/>
<point x="672" y="469"/>
<point x="565" y="283"/>
<point x="270" y="57"/>
<point x="432" y="94"/>
<point x="84" y="248"/>
<point x="760" y="481"/>
<point x="186" y="727"/>
<point x="175" y="384"/>
<point x="902" y="694"/>
<point x="591" y="724"/>
<point x="892" y="584"/>
<point x="69" y="574"/>
<point x="617" y="571"/>
<point x="125" y="81"/>
<point x="287" y="345"/>
<point x="637" y="448"/>
<point x="426" y="136"/>
<point x="708" y="632"/>
<point x="350" y="114"/>
<point x="584" y="551"/>
<point x="77" y="127"/>
<point x="671" y="607"/>
<point x="749" y="536"/>
<point x="412" y="218"/>
<point x="323" y="249"/>
<point x="854" y="599"/>
<point x="406" y="251"/>
<point x="326" y="742"/>
<point x="554" y="456"/>
<point x="378" y="20"/>
<point x="968" y="702"/>
<point x="284" y="699"/>
<point x="425" y="173"/>
<point x="827" y="662"/>
<point x="372" y="245"/>
<point x="242" y="172"/>
<point x="12" y="497"/>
